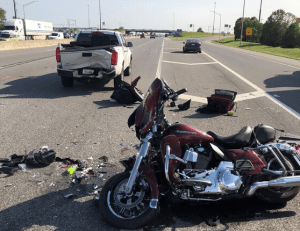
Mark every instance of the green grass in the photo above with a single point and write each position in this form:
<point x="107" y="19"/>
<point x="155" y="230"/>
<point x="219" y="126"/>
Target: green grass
<point x="292" y="53"/>
<point x="186" y="35"/>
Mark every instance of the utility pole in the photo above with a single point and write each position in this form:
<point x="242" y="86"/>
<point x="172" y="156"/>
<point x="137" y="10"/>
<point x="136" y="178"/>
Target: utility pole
<point x="100" y="14"/>
<point x="15" y="9"/>
<point x="260" y="11"/>
<point x="242" y="25"/>
<point x="214" y="20"/>
<point x="174" y="22"/>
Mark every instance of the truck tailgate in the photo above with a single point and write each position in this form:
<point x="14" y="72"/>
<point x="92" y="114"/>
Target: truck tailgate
<point x="83" y="59"/>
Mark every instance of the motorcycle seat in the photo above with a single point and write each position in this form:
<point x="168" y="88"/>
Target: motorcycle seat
<point x="236" y="141"/>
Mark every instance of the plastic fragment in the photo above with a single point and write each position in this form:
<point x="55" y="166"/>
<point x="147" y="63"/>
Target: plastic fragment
<point x="101" y="175"/>
<point x="67" y="196"/>
<point x="90" y="158"/>
<point x="103" y="158"/>
<point x="95" y="186"/>
<point x="247" y="108"/>
<point x="113" y="100"/>
<point x="72" y="169"/>
<point x="8" y="185"/>
<point x="52" y="184"/>
<point x="22" y="167"/>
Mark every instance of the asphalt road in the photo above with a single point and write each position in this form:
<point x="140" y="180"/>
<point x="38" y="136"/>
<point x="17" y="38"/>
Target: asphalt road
<point x="82" y="123"/>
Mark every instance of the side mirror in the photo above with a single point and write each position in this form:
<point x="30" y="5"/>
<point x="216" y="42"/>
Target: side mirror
<point x="129" y="44"/>
<point x="183" y="42"/>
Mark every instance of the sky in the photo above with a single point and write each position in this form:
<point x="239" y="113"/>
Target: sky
<point x="147" y="14"/>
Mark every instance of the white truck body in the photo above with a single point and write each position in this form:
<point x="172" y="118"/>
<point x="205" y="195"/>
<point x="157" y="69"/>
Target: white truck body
<point x="94" y="61"/>
<point x="56" y="35"/>
<point x="20" y="29"/>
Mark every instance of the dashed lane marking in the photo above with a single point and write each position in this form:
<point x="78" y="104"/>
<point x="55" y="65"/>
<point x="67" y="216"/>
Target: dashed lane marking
<point x="191" y="64"/>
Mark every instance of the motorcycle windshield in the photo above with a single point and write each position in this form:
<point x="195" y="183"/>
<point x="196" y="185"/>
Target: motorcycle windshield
<point x="145" y="113"/>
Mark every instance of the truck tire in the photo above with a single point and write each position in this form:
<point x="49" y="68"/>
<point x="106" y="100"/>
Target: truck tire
<point x="127" y="71"/>
<point x="67" y="81"/>
<point x="118" y="79"/>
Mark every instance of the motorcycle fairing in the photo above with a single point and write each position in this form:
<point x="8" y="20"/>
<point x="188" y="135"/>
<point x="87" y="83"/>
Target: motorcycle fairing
<point x="187" y="134"/>
<point x="151" y="179"/>
<point x="145" y="113"/>
<point x="174" y="144"/>
<point x="257" y="162"/>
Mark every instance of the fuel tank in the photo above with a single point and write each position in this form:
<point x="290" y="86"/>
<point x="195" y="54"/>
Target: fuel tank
<point x="187" y="134"/>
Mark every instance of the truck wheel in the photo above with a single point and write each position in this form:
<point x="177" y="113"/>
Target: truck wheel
<point x="67" y="81"/>
<point x="118" y="79"/>
<point x="127" y="71"/>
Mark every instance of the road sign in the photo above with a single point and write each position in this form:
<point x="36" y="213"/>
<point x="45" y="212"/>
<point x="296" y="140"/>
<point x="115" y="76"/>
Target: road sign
<point x="226" y="25"/>
<point x="249" y="31"/>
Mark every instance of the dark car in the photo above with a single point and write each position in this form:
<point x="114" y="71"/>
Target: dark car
<point x="66" y="35"/>
<point x="192" y="45"/>
<point x="152" y="36"/>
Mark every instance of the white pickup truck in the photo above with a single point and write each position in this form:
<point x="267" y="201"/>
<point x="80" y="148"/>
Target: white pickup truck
<point x="93" y="56"/>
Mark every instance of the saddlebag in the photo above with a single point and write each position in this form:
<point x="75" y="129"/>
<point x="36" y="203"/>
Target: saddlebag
<point x="220" y="102"/>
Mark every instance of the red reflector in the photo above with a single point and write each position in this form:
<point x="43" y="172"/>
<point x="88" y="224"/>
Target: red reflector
<point x="57" y="53"/>
<point x="97" y="32"/>
<point x="114" y="58"/>
<point x="187" y="44"/>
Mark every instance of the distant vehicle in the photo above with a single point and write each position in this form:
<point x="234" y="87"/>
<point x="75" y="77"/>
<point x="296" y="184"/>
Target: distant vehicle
<point x="20" y="29"/>
<point x="66" y="35"/>
<point x="152" y="36"/>
<point x="192" y="45"/>
<point x="56" y="35"/>
<point x="132" y="34"/>
<point x="142" y="35"/>
<point x="179" y="31"/>
<point x="94" y="56"/>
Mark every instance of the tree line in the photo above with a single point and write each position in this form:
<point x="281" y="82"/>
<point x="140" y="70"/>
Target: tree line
<point x="281" y="29"/>
<point x="2" y="18"/>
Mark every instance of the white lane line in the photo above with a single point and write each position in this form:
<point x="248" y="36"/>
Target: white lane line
<point x="1" y="67"/>
<point x="193" y="98"/>
<point x="282" y="105"/>
<point x="191" y="64"/>
<point x="51" y="50"/>
<point x="158" y="71"/>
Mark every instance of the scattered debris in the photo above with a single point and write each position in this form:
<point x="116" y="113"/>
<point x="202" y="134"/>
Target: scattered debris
<point x="72" y="169"/>
<point x="90" y="158"/>
<point x="68" y="196"/>
<point x="247" y="108"/>
<point x="22" y="167"/>
<point x="101" y="175"/>
<point x="8" y="185"/>
<point x="113" y="100"/>
<point x="103" y="158"/>
<point x="277" y="96"/>
<point x="185" y="106"/>
<point x="95" y="186"/>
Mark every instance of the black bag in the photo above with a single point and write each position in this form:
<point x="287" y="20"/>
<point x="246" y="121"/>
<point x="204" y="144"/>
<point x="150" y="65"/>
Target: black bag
<point x="123" y="95"/>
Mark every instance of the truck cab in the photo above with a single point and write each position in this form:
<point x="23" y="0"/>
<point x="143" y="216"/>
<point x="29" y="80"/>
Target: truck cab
<point x="13" y="30"/>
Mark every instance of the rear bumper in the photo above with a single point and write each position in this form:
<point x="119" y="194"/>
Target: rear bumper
<point x="192" y="48"/>
<point x="98" y="74"/>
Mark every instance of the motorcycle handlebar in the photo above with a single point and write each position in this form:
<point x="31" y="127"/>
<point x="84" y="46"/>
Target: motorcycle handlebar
<point x="181" y="91"/>
<point x="174" y="95"/>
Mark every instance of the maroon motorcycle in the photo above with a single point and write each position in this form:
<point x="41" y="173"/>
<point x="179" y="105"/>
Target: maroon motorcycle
<point x="183" y="163"/>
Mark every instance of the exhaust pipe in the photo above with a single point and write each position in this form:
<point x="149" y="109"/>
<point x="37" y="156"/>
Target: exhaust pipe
<point x="283" y="182"/>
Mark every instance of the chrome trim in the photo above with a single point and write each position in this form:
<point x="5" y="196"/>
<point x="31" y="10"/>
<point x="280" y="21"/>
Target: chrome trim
<point x="297" y="158"/>
<point x="277" y="158"/>
<point x="278" y="173"/>
<point x="167" y="157"/>
<point x="153" y="203"/>
<point x="145" y="147"/>
<point x="284" y="182"/>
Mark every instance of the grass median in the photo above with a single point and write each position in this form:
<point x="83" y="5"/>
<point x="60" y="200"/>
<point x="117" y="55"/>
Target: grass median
<point x="292" y="53"/>
<point x="186" y="35"/>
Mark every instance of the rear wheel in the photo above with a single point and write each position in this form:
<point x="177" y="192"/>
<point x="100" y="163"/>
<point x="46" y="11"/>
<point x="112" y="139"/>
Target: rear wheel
<point x="67" y="81"/>
<point x="118" y="79"/>
<point x="127" y="71"/>
<point x="278" y="194"/>
<point x="126" y="211"/>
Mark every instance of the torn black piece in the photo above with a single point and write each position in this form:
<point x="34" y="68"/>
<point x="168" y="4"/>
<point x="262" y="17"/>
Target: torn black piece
<point x="185" y="106"/>
<point x="103" y="158"/>
<point x="9" y="170"/>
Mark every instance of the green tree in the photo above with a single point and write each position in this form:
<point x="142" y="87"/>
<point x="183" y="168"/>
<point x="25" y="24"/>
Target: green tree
<point x="275" y="28"/>
<point x="291" y="38"/>
<point x="121" y="28"/>
<point x="248" y="23"/>
<point x="2" y="17"/>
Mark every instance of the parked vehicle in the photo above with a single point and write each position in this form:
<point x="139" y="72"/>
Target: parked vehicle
<point x="66" y="36"/>
<point x="20" y="29"/>
<point x="177" y="162"/>
<point x="192" y="45"/>
<point x="152" y="36"/>
<point x="142" y="35"/>
<point x="94" y="56"/>
<point x="56" y="35"/>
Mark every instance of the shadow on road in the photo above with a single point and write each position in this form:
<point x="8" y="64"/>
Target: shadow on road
<point x="107" y="104"/>
<point x="48" y="86"/>
<point x="292" y="80"/>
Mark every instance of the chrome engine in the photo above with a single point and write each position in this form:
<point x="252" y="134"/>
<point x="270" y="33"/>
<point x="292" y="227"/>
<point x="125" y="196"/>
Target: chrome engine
<point x="221" y="180"/>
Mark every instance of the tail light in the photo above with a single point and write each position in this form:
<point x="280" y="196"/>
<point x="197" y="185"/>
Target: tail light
<point x="114" y="58"/>
<point x="199" y="44"/>
<point x="187" y="44"/>
<point x="57" y="52"/>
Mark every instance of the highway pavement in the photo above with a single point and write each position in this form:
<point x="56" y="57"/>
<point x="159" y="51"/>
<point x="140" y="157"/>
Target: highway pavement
<point x="82" y="123"/>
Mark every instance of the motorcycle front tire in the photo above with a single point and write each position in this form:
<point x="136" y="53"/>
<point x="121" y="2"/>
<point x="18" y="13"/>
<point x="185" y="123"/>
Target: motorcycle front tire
<point x="124" y="223"/>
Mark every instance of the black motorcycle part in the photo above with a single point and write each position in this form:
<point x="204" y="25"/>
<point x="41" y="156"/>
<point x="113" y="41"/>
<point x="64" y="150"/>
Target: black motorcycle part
<point x="264" y="133"/>
<point x="128" y="163"/>
<point x="204" y="158"/>
<point x="243" y="166"/>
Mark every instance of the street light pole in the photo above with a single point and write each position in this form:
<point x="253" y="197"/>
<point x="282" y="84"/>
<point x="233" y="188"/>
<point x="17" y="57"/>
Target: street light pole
<point x="220" y="25"/>
<point x="27" y="5"/>
<point x="25" y="34"/>
<point x="214" y="20"/>
<point x="100" y="13"/>
<point x="242" y="24"/>
<point x="260" y="11"/>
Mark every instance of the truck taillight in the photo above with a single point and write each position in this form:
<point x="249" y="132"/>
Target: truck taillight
<point x="114" y="58"/>
<point x="57" y="52"/>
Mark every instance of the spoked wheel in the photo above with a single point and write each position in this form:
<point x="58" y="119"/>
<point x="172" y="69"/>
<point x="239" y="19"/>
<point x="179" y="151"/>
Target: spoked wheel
<point x="126" y="211"/>
<point x="278" y="194"/>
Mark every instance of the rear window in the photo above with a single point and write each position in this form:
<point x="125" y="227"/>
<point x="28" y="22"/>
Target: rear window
<point x="54" y="34"/>
<point x="193" y="41"/>
<point x="97" y="39"/>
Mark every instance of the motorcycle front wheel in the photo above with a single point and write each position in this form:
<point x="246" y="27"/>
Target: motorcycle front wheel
<point x="278" y="194"/>
<point x="126" y="211"/>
